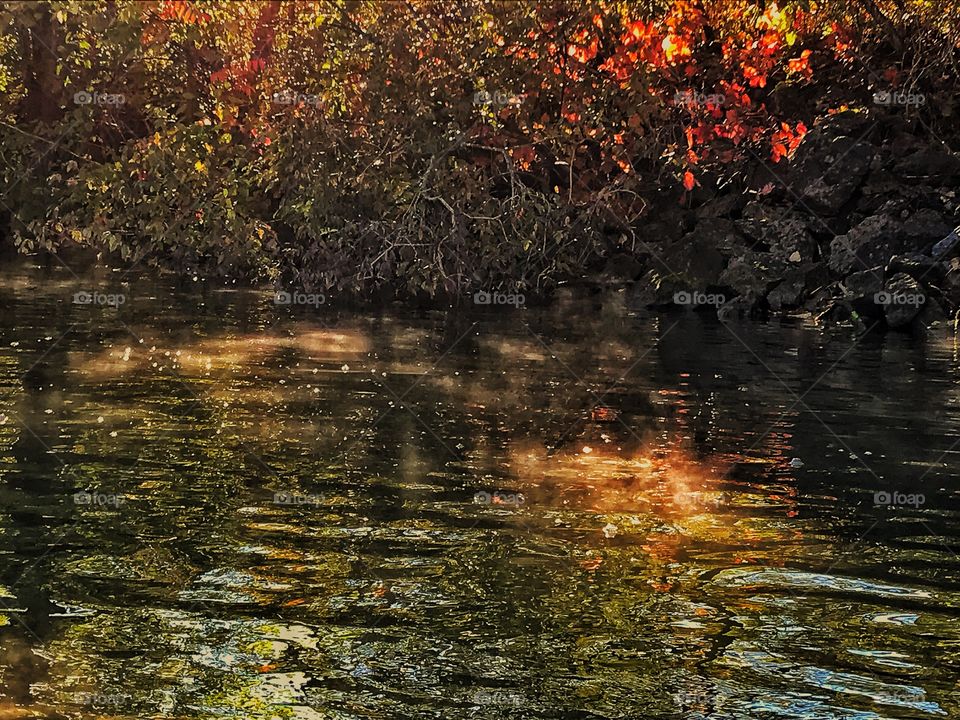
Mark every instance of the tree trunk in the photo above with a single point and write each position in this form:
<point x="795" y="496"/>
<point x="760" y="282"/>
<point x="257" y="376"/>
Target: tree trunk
<point x="44" y="90"/>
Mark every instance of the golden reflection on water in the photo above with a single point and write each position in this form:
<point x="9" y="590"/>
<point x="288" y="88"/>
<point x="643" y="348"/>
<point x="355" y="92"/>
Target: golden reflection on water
<point x="665" y="479"/>
<point x="217" y="355"/>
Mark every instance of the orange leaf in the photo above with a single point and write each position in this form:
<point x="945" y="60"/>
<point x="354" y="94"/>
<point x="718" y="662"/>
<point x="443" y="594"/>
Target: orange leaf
<point x="689" y="181"/>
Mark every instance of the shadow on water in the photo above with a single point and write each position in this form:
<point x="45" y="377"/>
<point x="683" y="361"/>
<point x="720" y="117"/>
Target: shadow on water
<point x="213" y="506"/>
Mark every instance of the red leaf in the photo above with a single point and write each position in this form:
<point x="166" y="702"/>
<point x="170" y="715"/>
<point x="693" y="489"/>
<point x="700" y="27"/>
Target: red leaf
<point x="689" y="181"/>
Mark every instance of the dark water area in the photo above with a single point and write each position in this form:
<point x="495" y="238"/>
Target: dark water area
<point x="212" y="506"/>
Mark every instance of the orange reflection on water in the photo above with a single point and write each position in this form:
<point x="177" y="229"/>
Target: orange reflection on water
<point x="666" y="479"/>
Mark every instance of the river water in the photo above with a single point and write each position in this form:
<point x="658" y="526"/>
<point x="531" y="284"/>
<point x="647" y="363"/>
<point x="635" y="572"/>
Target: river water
<point x="212" y="506"/>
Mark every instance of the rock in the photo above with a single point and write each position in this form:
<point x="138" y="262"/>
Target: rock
<point x="828" y="169"/>
<point x="920" y="267"/>
<point x="904" y="144"/>
<point x="947" y="245"/>
<point x="753" y="274"/>
<point x="656" y="289"/>
<point x="836" y="311"/>
<point x="929" y="163"/>
<point x="827" y="297"/>
<point x="866" y="283"/>
<point x="882" y="187"/>
<point x="901" y="298"/>
<point x="737" y="308"/>
<point x="722" y="206"/>
<point x="789" y="293"/>
<point x="695" y="259"/>
<point x="861" y="289"/>
<point x="926" y="226"/>
<point x="817" y="275"/>
<point x="798" y="282"/>
<point x="872" y="242"/>
<point x="719" y="234"/>
<point x="781" y="232"/>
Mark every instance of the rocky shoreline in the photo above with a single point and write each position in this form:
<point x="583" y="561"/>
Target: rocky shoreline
<point x="861" y="227"/>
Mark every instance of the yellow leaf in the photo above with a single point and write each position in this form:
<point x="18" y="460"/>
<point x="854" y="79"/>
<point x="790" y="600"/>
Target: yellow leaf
<point x="200" y="167"/>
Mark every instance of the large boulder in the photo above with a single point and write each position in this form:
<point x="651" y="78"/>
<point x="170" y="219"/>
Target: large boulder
<point x="828" y="169"/>
<point x="782" y="233"/>
<point x="753" y="274"/>
<point x="870" y="243"/>
<point x="878" y="238"/>
<point x="796" y="284"/>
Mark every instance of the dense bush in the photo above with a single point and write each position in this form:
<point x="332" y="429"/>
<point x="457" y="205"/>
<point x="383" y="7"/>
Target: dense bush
<point x="423" y="146"/>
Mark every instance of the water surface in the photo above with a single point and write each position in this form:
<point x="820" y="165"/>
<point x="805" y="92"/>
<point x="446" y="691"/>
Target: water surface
<point x="212" y="506"/>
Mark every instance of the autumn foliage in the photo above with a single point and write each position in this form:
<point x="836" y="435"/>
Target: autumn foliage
<point x="425" y="144"/>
